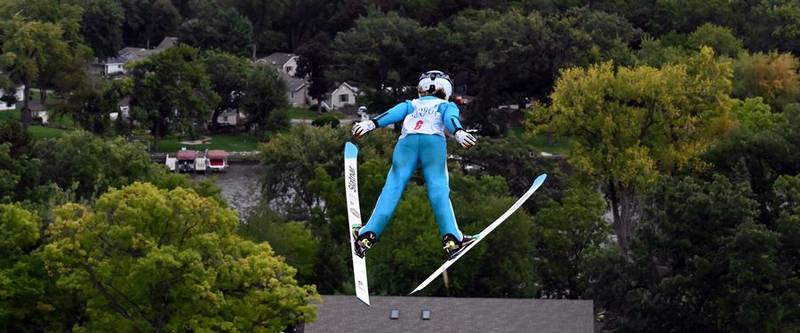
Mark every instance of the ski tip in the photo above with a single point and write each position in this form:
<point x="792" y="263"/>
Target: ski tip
<point x="350" y="150"/>
<point x="539" y="180"/>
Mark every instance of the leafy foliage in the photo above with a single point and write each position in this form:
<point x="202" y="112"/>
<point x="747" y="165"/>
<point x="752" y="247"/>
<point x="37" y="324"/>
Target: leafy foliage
<point x="150" y="259"/>
<point x="628" y="125"/>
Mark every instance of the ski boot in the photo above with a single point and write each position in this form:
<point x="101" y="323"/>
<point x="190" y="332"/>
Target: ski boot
<point x="363" y="242"/>
<point x="453" y="246"/>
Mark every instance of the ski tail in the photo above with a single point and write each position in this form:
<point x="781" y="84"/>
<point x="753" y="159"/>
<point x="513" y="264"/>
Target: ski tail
<point x="482" y="235"/>
<point x="354" y="220"/>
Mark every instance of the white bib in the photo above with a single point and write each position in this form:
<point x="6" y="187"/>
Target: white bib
<point x="425" y="119"/>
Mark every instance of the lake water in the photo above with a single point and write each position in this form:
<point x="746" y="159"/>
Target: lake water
<point x="240" y="186"/>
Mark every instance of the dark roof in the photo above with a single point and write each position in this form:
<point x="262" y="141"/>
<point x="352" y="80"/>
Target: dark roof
<point x="277" y="59"/>
<point x="293" y="83"/>
<point x="136" y="54"/>
<point x="343" y="313"/>
<point x="167" y="42"/>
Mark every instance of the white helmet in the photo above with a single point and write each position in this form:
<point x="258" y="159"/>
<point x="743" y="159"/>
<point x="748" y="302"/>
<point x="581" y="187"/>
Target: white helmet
<point x="432" y="82"/>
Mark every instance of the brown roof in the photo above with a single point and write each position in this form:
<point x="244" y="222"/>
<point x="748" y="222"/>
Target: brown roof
<point x="342" y="313"/>
<point x="186" y="155"/>
<point x="217" y="154"/>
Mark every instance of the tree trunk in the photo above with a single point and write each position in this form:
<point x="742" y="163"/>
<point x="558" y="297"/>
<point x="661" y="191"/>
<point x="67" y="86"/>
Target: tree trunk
<point x="25" y="113"/>
<point x="624" y="207"/>
<point x="156" y="136"/>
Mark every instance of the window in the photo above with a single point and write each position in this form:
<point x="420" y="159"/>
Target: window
<point x="426" y="314"/>
<point x="288" y="69"/>
<point x="344" y="98"/>
<point x="395" y="314"/>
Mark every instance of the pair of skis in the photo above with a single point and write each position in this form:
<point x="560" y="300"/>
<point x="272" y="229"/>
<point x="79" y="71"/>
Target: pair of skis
<point x="354" y="219"/>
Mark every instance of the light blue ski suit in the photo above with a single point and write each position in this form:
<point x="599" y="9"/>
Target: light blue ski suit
<point x="422" y="142"/>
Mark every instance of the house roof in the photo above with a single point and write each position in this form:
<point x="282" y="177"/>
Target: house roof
<point x="293" y="83"/>
<point x="277" y="59"/>
<point x="136" y="54"/>
<point x="166" y="43"/>
<point x="347" y="86"/>
<point x="343" y="313"/>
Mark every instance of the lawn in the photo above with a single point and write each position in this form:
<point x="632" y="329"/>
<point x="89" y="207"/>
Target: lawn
<point x="559" y="146"/>
<point x="225" y="142"/>
<point x="38" y="132"/>
<point x="41" y="132"/>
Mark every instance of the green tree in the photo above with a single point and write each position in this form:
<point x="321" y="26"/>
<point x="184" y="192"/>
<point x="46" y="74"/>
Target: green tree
<point x="289" y="160"/>
<point x="761" y="148"/>
<point x="29" y="49"/>
<point x="90" y="165"/>
<point x="292" y="240"/>
<point x="66" y="14"/>
<point x="630" y="124"/>
<point x="228" y="74"/>
<point x="172" y="92"/>
<point x="697" y="257"/>
<point x="224" y="29"/>
<point x="92" y="103"/>
<point x="565" y="234"/>
<point x="150" y="259"/>
<point x="21" y="286"/>
<point x="101" y="27"/>
<point x="721" y="39"/>
<point x="316" y="63"/>
<point x="385" y="50"/>
<point x="265" y="94"/>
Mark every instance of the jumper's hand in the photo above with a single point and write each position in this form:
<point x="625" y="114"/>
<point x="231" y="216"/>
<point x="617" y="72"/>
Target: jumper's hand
<point x="465" y="139"/>
<point x="362" y="128"/>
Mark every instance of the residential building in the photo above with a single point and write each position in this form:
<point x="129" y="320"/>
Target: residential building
<point x="343" y="95"/>
<point x="117" y="65"/>
<point x="283" y="62"/>
<point x="387" y="314"/>
<point x="19" y="95"/>
<point x="110" y="66"/>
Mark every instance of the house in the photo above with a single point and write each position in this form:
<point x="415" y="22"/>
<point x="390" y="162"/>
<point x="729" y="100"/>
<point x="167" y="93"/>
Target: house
<point x="230" y="117"/>
<point x="283" y="62"/>
<point x="110" y="66"/>
<point x="343" y="313"/>
<point x="130" y="54"/>
<point x="297" y="89"/>
<point x="39" y="112"/>
<point x="19" y="95"/>
<point x="344" y="94"/>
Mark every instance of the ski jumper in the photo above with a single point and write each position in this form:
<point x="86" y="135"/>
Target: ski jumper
<point x="422" y="142"/>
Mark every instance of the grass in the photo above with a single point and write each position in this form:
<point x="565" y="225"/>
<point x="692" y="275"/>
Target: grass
<point x="540" y="142"/>
<point x="38" y="132"/>
<point x="224" y="142"/>
<point x="41" y="132"/>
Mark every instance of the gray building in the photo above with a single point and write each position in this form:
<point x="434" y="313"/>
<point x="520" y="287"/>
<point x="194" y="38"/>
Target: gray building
<point x="344" y="313"/>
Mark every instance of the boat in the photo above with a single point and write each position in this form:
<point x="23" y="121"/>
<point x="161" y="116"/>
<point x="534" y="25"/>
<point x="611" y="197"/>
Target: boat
<point x="186" y="160"/>
<point x="217" y="160"/>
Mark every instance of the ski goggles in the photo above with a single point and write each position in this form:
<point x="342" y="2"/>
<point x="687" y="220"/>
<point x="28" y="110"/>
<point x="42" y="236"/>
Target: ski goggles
<point x="433" y="75"/>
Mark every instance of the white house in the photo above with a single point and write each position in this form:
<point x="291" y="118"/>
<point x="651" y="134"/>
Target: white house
<point x="20" y="95"/>
<point x="344" y="94"/>
<point x="283" y="62"/>
<point x="109" y="66"/>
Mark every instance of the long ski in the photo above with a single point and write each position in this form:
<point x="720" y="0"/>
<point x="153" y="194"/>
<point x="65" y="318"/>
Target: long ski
<point x="479" y="237"/>
<point x="354" y="220"/>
